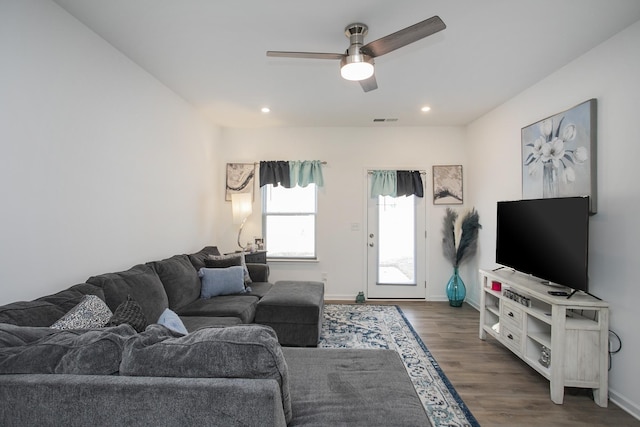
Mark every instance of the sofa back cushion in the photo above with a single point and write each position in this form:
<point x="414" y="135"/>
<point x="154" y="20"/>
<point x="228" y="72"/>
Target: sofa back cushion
<point x="92" y="352"/>
<point x="247" y="351"/>
<point x="44" y="311"/>
<point x="141" y="283"/>
<point x="180" y="280"/>
<point x="197" y="259"/>
<point x="30" y="313"/>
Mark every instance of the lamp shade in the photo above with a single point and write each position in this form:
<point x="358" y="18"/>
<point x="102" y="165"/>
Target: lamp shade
<point x="241" y="206"/>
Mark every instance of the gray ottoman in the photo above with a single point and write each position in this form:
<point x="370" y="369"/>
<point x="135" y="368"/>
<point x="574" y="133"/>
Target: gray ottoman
<point x="294" y="310"/>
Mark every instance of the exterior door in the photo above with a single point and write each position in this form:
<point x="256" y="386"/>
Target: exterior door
<point x="396" y="247"/>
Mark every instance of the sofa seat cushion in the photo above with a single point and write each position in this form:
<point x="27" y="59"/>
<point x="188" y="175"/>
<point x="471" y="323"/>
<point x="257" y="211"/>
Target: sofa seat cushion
<point x="141" y="283"/>
<point x="259" y="289"/>
<point x="240" y="306"/>
<point x="193" y="323"/>
<point x="247" y="351"/>
<point x="80" y="352"/>
<point x="350" y="387"/>
<point x="179" y="278"/>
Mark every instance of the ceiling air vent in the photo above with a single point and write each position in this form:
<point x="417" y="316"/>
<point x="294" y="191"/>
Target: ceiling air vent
<point x="385" y="120"/>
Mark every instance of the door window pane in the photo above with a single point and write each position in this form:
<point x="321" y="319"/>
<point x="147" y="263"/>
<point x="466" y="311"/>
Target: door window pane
<point x="396" y="240"/>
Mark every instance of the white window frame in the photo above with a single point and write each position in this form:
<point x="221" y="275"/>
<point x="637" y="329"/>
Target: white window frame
<point x="265" y="214"/>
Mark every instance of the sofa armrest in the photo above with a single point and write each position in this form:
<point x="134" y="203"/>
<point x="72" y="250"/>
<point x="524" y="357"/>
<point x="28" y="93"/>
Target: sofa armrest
<point x="104" y="400"/>
<point x="258" y="272"/>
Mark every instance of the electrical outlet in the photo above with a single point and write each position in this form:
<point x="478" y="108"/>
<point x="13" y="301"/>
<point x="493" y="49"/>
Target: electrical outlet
<point x="324" y="276"/>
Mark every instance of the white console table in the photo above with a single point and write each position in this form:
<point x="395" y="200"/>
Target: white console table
<point x="575" y="330"/>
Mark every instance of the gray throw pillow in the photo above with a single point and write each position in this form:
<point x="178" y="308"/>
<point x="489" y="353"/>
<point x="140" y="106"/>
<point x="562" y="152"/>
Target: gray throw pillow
<point x="229" y="260"/>
<point x="129" y="312"/>
<point x="93" y="352"/>
<point x="91" y="312"/>
<point x="245" y="351"/>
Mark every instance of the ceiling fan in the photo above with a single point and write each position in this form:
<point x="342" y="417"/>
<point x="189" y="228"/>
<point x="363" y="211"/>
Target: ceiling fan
<point x="356" y="63"/>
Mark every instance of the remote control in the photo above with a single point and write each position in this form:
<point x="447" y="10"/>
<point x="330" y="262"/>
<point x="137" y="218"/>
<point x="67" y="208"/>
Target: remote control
<point x="558" y="293"/>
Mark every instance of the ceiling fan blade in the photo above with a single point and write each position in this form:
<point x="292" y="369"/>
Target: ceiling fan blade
<point x="369" y="84"/>
<point x="404" y="37"/>
<point x="310" y="55"/>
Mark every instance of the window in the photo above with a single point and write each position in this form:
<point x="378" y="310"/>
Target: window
<point x="289" y="221"/>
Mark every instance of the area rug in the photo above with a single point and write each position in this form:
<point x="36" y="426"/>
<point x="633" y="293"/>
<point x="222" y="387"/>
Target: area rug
<point x="385" y="326"/>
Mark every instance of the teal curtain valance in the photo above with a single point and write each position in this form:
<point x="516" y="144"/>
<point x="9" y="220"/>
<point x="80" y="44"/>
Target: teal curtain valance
<point x="396" y="183"/>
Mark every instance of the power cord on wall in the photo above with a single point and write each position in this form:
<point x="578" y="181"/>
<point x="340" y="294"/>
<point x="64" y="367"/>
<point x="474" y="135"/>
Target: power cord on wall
<point x="617" y="350"/>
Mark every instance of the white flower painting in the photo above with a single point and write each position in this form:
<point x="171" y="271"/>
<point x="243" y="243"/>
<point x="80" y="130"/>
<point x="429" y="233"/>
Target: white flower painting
<point x="558" y="155"/>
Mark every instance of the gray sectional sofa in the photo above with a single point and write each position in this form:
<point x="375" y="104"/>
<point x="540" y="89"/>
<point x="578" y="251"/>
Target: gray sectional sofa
<point x="227" y="371"/>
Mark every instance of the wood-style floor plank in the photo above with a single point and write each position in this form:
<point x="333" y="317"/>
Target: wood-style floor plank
<point x="498" y="387"/>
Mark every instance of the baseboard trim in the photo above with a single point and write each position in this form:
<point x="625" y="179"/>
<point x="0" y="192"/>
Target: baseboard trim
<point x="625" y="404"/>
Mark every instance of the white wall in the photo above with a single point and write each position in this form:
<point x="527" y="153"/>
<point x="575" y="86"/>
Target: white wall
<point x="342" y="202"/>
<point x="101" y="166"/>
<point x="609" y="73"/>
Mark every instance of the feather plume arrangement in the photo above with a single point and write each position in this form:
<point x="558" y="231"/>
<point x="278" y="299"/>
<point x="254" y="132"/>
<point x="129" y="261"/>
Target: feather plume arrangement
<point x="449" y="236"/>
<point x="467" y="244"/>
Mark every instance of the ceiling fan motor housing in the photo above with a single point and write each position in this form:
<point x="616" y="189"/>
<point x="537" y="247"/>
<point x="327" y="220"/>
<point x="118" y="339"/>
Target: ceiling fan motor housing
<point x="356" y="33"/>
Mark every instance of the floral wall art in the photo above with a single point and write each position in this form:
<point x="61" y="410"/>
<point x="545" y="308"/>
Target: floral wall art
<point x="559" y="155"/>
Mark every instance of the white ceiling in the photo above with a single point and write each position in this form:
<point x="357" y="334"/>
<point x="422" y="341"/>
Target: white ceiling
<point x="212" y="53"/>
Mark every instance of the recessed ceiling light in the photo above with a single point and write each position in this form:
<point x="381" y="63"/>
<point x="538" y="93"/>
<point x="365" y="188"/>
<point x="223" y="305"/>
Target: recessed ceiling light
<point x="425" y="109"/>
<point x="265" y="109"/>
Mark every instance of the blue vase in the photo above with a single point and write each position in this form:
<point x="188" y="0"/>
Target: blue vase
<point x="455" y="289"/>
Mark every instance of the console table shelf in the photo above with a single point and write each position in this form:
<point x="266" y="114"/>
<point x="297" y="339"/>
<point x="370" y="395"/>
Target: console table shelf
<point x="571" y="332"/>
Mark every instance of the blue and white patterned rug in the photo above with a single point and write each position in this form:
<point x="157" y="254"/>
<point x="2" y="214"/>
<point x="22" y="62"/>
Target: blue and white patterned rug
<point x="385" y="326"/>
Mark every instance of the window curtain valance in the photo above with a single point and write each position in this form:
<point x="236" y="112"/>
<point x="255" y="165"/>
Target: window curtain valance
<point x="291" y="173"/>
<point x="396" y="183"/>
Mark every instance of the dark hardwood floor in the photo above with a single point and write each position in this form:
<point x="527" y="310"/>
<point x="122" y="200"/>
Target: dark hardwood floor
<point x="499" y="388"/>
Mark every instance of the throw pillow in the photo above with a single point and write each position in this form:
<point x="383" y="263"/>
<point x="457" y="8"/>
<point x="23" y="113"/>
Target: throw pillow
<point x="221" y="281"/>
<point x="171" y="320"/>
<point x="94" y="352"/>
<point x="129" y="312"/>
<point x="246" y="351"/>
<point x="91" y="312"/>
<point x="229" y="260"/>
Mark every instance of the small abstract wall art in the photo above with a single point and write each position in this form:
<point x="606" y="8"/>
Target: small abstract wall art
<point x="559" y="155"/>
<point x="240" y="178"/>
<point x="447" y="185"/>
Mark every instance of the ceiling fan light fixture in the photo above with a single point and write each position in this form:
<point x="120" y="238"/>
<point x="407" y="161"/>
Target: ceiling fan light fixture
<point x="356" y="67"/>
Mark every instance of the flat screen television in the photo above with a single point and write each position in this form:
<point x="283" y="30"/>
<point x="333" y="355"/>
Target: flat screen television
<point x="546" y="238"/>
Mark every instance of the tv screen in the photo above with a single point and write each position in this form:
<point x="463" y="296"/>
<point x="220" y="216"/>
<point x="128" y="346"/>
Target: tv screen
<point x="547" y="238"/>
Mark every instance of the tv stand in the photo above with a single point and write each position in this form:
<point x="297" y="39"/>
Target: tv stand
<point x="564" y="340"/>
